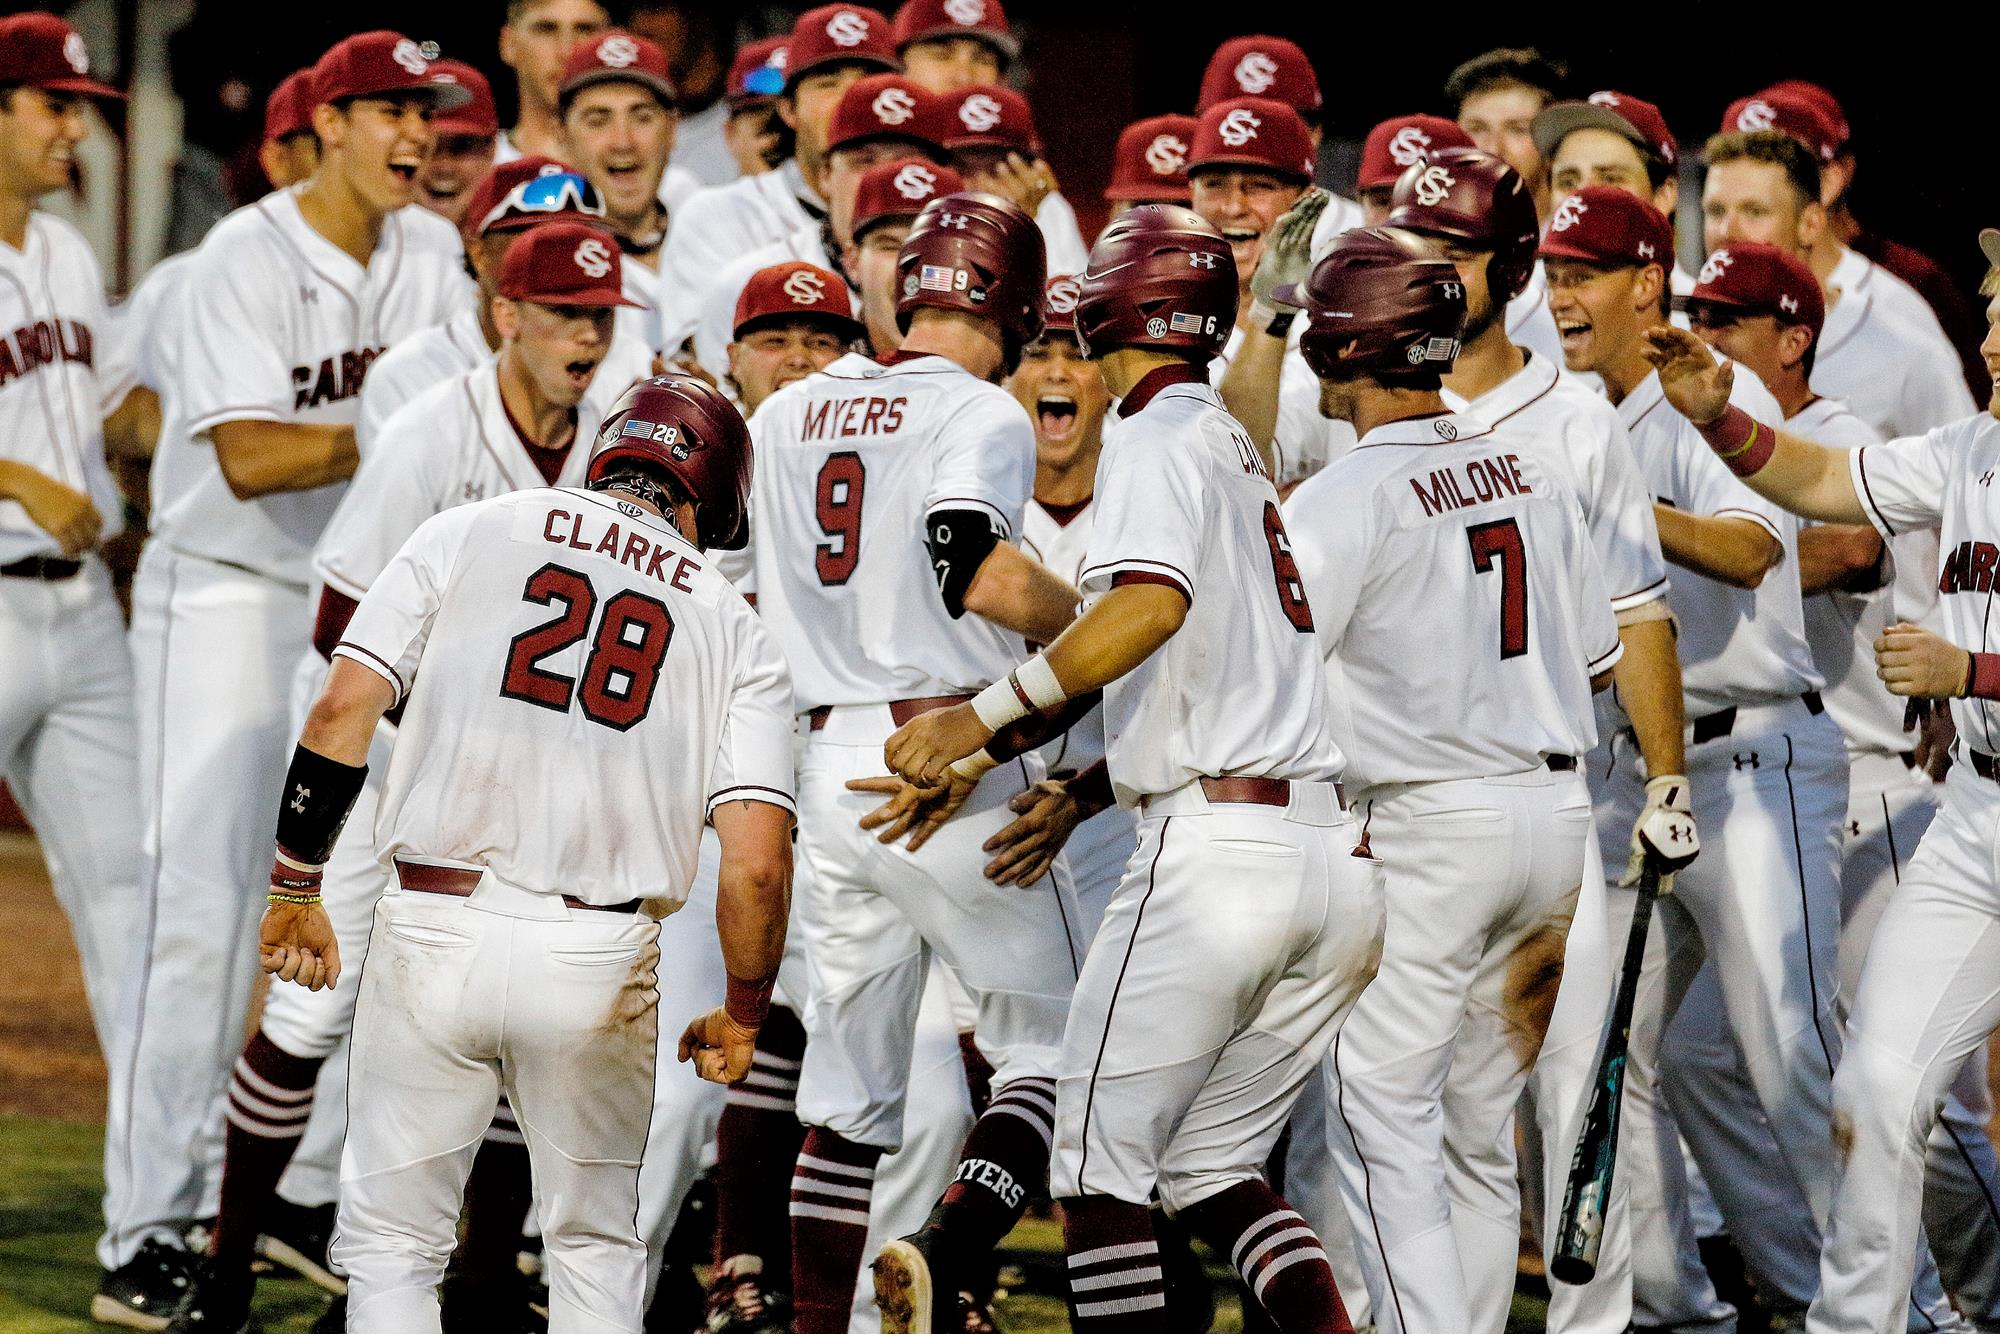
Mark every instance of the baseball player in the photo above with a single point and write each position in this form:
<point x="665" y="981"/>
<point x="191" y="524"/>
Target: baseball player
<point x="946" y="47"/>
<point x="1240" y="935"/>
<point x="1495" y="97"/>
<point x="535" y="42"/>
<point x="1480" y="214"/>
<point x="829" y="48"/>
<point x="1766" y="770"/>
<point x="617" y="104"/>
<point x="1393" y="147"/>
<point x="792" y="319"/>
<point x="1926" y="997"/>
<point x="757" y="139"/>
<point x="463" y="153"/>
<point x="290" y="299"/>
<point x="513" y="955"/>
<point x="1480" y="823"/>
<point x="289" y="150"/>
<point x="68" y="741"/>
<point x="1613" y="139"/>
<point x="509" y="424"/>
<point x="901" y="485"/>
<point x="886" y="204"/>
<point x="513" y="197"/>
<point x="1149" y="164"/>
<point x="990" y="131"/>
<point x="1889" y="363"/>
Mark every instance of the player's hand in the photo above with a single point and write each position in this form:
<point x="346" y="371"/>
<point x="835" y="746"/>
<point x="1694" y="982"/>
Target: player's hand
<point x="1027" y="848"/>
<point x="719" y="1046"/>
<point x="63" y="512"/>
<point x="297" y="945"/>
<point x="1665" y="831"/>
<point x="924" y="747"/>
<point x="1695" y="383"/>
<point x="1287" y="256"/>
<point x="910" y="810"/>
<point x="1913" y="661"/>
<point x="1936" y="733"/>
<point x="1023" y="183"/>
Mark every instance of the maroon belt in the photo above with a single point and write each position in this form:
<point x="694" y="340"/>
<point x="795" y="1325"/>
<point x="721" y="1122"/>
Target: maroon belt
<point x="900" y="710"/>
<point x="1984" y="765"/>
<point x="459" y="882"/>
<point x="49" y="569"/>
<point x="1249" y="791"/>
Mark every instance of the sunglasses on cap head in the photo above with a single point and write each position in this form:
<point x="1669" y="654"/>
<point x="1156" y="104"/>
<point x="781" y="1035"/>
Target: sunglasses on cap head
<point x="765" y="81"/>
<point x="554" y="192"/>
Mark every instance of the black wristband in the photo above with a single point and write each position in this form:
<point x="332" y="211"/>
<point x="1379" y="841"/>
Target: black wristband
<point x="1281" y="323"/>
<point x="319" y="793"/>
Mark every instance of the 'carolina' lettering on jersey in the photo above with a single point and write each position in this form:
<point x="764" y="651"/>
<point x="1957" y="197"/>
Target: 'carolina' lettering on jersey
<point x="337" y="378"/>
<point x="839" y="418"/>
<point x="1969" y="568"/>
<point x="44" y="343"/>
<point x="648" y="557"/>
<point x="1484" y="479"/>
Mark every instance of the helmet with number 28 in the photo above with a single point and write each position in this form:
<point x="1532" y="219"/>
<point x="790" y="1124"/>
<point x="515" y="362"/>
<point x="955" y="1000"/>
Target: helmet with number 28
<point x="683" y="426"/>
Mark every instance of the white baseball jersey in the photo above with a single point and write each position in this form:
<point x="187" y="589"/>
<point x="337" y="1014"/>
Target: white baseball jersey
<point x="644" y="323"/>
<point x="145" y="324"/>
<point x="1455" y="585"/>
<point x="62" y="371"/>
<point x="288" y="325"/>
<point x="451" y="446"/>
<point x="582" y="688"/>
<point x="1893" y="368"/>
<point x="1340" y="214"/>
<point x="850" y="464"/>
<point x="1240" y="690"/>
<point x="701" y="153"/>
<point x="1943" y="479"/>
<point x="1737" y="645"/>
<point x="1062" y="238"/>
<point x="1545" y="411"/>
<point x="1855" y="272"/>
<point x="1062" y="545"/>
<point x="423" y="361"/>
<point x="724" y="221"/>
<point x="713" y="320"/>
<point x="1304" y="441"/>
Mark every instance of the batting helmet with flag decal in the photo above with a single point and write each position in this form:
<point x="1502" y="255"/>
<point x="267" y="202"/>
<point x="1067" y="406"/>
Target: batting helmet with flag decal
<point x="1161" y="277"/>
<point x="1380" y="295"/>
<point x="683" y="426"/>
<point x="1471" y="196"/>
<point x="976" y="253"/>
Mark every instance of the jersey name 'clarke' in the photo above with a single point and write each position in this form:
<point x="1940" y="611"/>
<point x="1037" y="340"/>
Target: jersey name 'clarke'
<point x="643" y="554"/>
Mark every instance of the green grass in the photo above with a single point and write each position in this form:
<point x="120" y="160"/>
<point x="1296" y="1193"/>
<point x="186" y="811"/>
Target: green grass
<point x="49" y="1220"/>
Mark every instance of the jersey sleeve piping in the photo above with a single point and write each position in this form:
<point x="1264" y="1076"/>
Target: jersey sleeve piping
<point x="373" y="663"/>
<point x="1859" y="467"/>
<point x="752" y="792"/>
<point x="1139" y="565"/>
<point x="1650" y="593"/>
<point x="248" y="412"/>
<point x="1604" y="662"/>
<point x="1761" y="520"/>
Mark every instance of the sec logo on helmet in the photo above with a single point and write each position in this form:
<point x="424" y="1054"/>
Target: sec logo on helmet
<point x="1410" y="146"/>
<point x="971" y="13"/>
<point x="979" y="113"/>
<point x="1433" y="185"/>
<point x="1166" y="155"/>
<point x="1757" y="114"/>
<point x="1568" y="214"/>
<point x="1716" y="265"/>
<point x="407" y="54"/>
<point x="617" y="51"/>
<point x="1062" y="295"/>
<point x="893" y="106"/>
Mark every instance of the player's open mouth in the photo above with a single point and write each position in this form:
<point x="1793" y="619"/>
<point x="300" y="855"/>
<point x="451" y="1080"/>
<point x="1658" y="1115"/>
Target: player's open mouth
<point x="581" y="371"/>
<point x="1055" y="415"/>
<point x="1240" y="235"/>
<point x="1573" y="332"/>
<point x="406" y="172"/>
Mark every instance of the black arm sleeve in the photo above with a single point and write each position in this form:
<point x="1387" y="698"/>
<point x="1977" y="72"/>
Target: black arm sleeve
<point x="319" y="793"/>
<point x="959" y="542"/>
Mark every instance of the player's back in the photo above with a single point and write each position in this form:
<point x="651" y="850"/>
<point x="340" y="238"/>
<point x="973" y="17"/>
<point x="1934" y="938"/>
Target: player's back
<point x="850" y="464"/>
<point x="1457" y="589"/>
<point x="570" y="704"/>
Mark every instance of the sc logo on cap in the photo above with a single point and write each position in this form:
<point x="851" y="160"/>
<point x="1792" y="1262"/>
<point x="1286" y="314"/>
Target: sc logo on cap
<point x="593" y="257"/>
<point x="893" y="106"/>
<point x="847" y="28"/>
<point x="979" y="113"/>
<point x="76" y="53"/>
<point x="1166" y="155"/>
<point x="617" y="51"/>
<point x="1757" y="114"/>
<point x="1062" y="296"/>
<point x="915" y="181"/>
<point x="1718" y="264"/>
<point x="1256" y="72"/>
<point x="1568" y="214"/>
<point x="969" y="12"/>
<point x="1239" y="127"/>
<point x="1409" y="146"/>
<point x="805" y="287"/>
<point x="409" y="55"/>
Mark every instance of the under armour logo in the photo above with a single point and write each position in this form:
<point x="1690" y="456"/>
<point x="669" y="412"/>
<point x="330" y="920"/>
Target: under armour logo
<point x="1454" y="291"/>
<point x="593" y="257"/>
<point x="916" y="181"/>
<point x="1433" y="186"/>
<point x="1986" y="478"/>
<point x="847" y="28"/>
<point x="411" y="57"/>
<point x="804" y="287"/>
<point x="1742" y="761"/>
<point x="1854" y="829"/>
<point x="1788" y="303"/>
<point x="474" y="491"/>
<point x="308" y="296"/>
<point x="1408" y="146"/>
<point x="1715" y="266"/>
<point x="1202" y="259"/>
<point x="979" y="113"/>
<point x="1256" y="72"/>
<point x="1239" y="127"/>
<point x="893" y="106"/>
<point x="955" y="221"/>
<point x="1166" y="155"/>
<point x="1757" y="114"/>
<point x="1645" y="249"/>
<point x="1568" y="214"/>
<point x="300" y="795"/>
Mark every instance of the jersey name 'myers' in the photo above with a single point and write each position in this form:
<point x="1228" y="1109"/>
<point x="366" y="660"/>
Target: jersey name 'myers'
<point x="334" y="379"/>
<point x="1969" y="568"/>
<point x="1473" y="482"/>
<point x="838" y="418"/>
<point x="655" y="560"/>
<point x="43" y="343"/>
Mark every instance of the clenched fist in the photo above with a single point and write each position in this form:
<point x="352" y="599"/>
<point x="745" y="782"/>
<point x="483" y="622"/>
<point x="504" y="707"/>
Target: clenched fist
<point x="296" y="944"/>
<point x="719" y="1047"/>
<point x="1913" y="661"/>
<point x="925" y="746"/>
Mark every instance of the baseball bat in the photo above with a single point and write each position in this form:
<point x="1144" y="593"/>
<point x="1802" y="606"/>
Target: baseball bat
<point x="1587" y="1193"/>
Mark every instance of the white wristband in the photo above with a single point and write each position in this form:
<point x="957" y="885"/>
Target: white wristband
<point x="1032" y="685"/>
<point x="973" y="766"/>
<point x="1039" y="679"/>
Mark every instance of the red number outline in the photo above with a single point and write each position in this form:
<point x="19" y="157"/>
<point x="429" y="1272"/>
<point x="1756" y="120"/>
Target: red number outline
<point x="835" y="560"/>
<point x="522" y="679"/>
<point x="1501" y="540"/>
<point x="1285" y="572"/>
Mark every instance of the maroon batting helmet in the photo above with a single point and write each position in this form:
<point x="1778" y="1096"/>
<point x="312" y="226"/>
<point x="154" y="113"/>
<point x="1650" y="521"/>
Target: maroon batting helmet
<point x="682" y="425"/>
<point x="976" y="253"/>
<point x="1382" y="291"/>
<point x="1161" y="277"/>
<point x="1471" y="196"/>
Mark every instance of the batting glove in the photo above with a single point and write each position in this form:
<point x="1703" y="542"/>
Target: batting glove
<point x="1287" y="257"/>
<point x="1665" y="831"/>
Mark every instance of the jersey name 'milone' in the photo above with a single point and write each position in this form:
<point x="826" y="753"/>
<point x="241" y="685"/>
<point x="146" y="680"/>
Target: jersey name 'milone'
<point x="337" y="378"/>
<point x="1485" y="479"/>
<point x="44" y="343"/>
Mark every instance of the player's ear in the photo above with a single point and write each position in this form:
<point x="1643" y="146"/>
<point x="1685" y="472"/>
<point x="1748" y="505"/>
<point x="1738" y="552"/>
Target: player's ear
<point x="1813" y="224"/>
<point x="1648" y="285"/>
<point x="788" y="109"/>
<point x="1794" y="340"/>
<point x="506" y="317"/>
<point x="330" y="124"/>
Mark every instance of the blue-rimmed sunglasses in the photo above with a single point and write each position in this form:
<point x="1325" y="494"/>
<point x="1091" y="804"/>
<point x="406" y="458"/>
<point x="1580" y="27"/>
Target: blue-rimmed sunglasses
<point x="551" y="192"/>
<point x="765" y="81"/>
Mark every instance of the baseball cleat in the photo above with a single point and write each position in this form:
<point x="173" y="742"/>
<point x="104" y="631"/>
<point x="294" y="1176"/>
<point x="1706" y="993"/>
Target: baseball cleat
<point x="143" y="1293"/>
<point x="217" y="1301"/>
<point x="297" y="1239"/>
<point x="739" y="1301"/>
<point x="903" y="1288"/>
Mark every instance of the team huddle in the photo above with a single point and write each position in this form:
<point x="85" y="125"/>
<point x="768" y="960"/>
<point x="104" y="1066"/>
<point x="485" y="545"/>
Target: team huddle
<point x="1313" y="725"/>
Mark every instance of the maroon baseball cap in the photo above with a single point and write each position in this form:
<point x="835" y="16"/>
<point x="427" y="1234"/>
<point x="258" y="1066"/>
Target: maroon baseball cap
<point x="1253" y="132"/>
<point x="1268" y="67"/>
<point x="1787" y="113"/>
<point x="926" y="20"/>
<point x="1761" y="280"/>
<point x="757" y="75"/>
<point x="899" y="189"/>
<point x="1059" y="304"/>
<point x="1621" y="113"/>
<point x="620" y="56"/>
<point x="289" y="108"/>
<point x="1401" y="142"/>
<point x="989" y="116"/>
<point x="835" y="35"/>
<point x="39" y="50"/>
<point x="475" y="117"/>
<point x="795" y="290"/>
<point x="1602" y="224"/>
<point x="380" y="64"/>
<point x="564" y="264"/>
<point x="1150" y="162"/>
<point x="887" y="106"/>
<point x="1829" y="105"/>
<point x="504" y="201"/>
